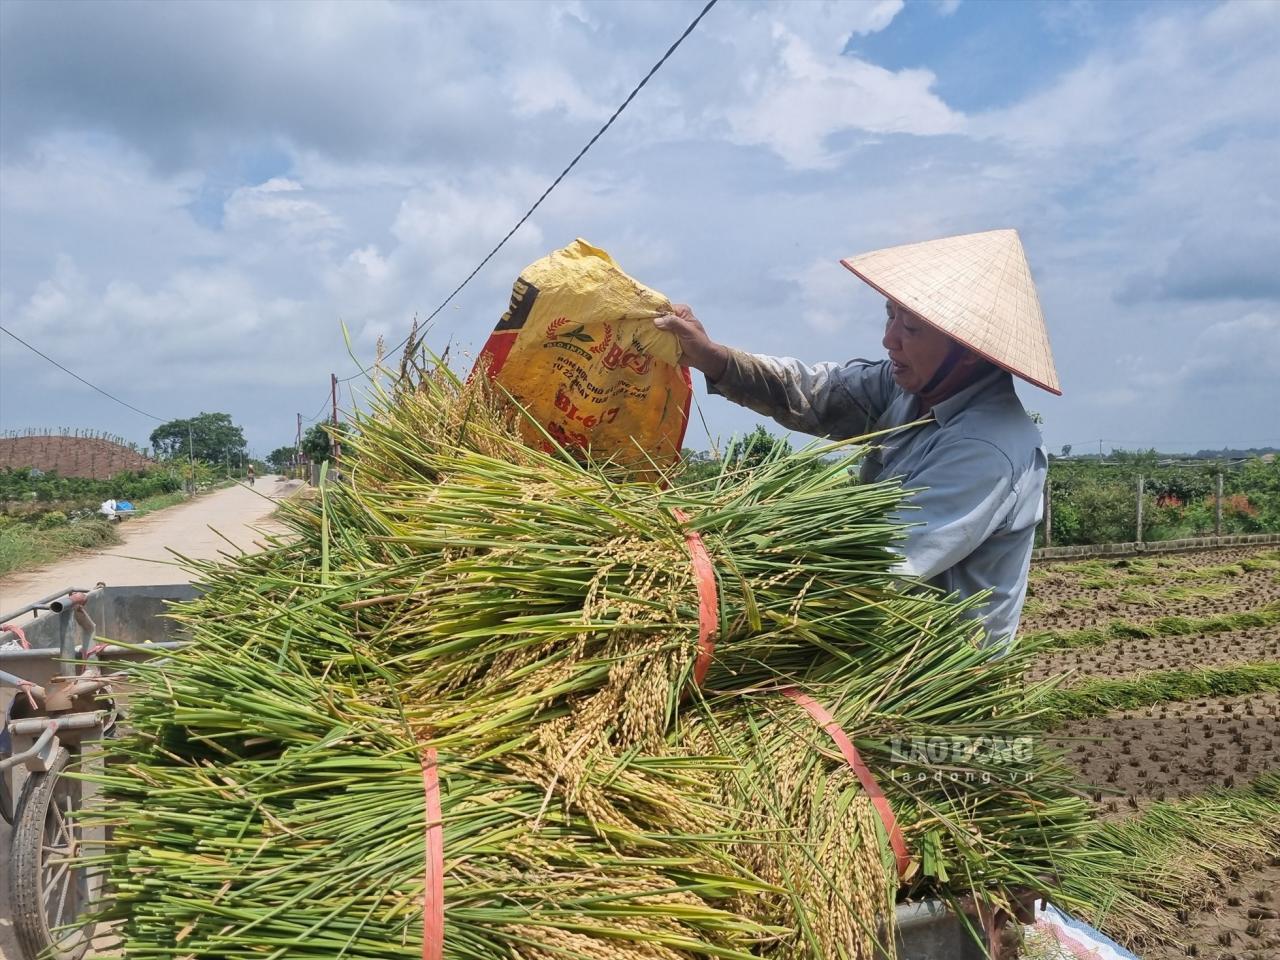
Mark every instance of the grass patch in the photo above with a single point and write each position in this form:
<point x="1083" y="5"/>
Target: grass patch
<point x="1134" y="875"/>
<point x="159" y="502"/>
<point x="1096" y="697"/>
<point x="1202" y="591"/>
<point x="1174" y="626"/>
<point x="1151" y="571"/>
<point x="1251" y="564"/>
<point x="24" y="545"/>
<point x="1033" y="608"/>
<point x="1179" y="594"/>
<point x="27" y="545"/>
<point x="1139" y="598"/>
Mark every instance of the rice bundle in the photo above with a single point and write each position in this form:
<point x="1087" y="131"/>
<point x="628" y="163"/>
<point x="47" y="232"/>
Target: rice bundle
<point x="526" y="632"/>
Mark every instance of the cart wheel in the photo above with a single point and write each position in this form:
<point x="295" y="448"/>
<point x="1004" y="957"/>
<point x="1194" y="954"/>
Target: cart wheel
<point x="48" y="892"/>
<point x="6" y="794"/>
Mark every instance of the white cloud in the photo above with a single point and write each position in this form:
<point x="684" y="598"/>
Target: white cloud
<point x="385" y="182"/>
<point x="55" y="299"/>
<point x="546" y="87"/>
<point x="828" y="293"/>
<point x="1171" y="83"/>
<point x="279" y="200"/>
<point x="1232" y="353"/>
<point x="807" y="96"/>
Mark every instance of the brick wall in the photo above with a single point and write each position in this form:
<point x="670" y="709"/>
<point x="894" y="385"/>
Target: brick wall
<point x="1084" y="551"/>
<point x="71" y="456"/>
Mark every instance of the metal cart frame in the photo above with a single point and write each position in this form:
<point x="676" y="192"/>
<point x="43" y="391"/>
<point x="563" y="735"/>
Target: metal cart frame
<point x="60" y="693"/>
<point x="59" y="699"/>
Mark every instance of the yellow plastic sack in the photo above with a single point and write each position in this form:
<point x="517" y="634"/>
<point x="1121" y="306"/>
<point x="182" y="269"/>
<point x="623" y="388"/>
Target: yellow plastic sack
<point x="578" y="349"/>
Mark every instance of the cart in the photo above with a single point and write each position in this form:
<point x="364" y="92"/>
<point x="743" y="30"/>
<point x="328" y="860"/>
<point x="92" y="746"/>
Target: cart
<point x="61" y="695"/>
<point x="61" y="692"/>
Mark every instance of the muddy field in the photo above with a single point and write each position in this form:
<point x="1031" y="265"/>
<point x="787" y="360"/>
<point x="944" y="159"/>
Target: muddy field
<point x="1174" y="747"/>
<point x="1244" y="923"/>
<point x="1131" y="656"/>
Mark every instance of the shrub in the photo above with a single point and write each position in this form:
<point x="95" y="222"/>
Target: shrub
<point x="51" y="519"/>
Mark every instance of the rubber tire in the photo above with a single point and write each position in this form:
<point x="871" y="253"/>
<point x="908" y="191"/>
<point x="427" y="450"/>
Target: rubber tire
<point x="6" y="800"/>
<point x="26" y="869"/>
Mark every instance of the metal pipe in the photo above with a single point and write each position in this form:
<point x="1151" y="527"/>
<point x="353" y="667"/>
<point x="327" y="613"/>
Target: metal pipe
<point x="70" y="721"/>
<point x="85" y="686"/>
<point x="32" y="751"/>
<point x="88" y="629"/>
<point x="35" y="653"/>
<point x="9" y="680"/>
<point x="44" y="603"/>
<point x="114" y="651"/>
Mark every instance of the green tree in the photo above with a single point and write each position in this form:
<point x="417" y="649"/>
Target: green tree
<point x="316" y="445"/>
<point x="213" y="438"/>
<point x="756" y="447"/>
<point x="281" y="457"/>
<point x="1096" y="512"/>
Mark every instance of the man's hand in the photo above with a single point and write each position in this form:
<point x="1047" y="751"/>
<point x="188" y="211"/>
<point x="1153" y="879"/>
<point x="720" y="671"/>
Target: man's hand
<point x="699" y="350"/>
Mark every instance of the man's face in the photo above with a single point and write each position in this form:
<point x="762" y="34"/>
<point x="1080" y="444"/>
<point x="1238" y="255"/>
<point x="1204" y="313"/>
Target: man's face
<point x="916" y="349"/>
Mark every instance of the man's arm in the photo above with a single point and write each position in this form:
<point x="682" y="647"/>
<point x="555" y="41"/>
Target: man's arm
<point x="828" y="399"/>
<point x="966" y="493"/>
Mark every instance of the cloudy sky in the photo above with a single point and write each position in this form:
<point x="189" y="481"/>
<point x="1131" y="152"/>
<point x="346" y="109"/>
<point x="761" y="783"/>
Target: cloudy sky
<point x="195" y="197"/>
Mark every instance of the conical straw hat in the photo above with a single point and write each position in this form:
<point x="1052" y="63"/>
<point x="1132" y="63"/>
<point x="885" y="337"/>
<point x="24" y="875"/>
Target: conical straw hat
<point x="976" y="289"/>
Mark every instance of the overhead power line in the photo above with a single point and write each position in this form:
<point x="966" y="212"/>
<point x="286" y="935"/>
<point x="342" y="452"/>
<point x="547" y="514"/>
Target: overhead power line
<point x="109" y="396"/>
<point x="556" y="182"/>
<point x="323" y="407"/>
<point x="480" y="266"/>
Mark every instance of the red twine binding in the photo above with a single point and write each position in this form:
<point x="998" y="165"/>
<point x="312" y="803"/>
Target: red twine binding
<point x="433" y="894"/>
<point x="25" y="686"/>
<point x="854" y="759"/>
<point x="708" y="626"/>
<point x="18" y="632"/>
<point x="708" y="601"/>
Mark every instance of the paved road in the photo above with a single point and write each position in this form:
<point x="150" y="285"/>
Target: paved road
<point x="240" y="514"/>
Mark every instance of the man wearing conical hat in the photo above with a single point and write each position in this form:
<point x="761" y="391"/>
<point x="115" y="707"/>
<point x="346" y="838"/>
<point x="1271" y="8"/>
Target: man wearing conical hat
<point x="963" y="320"/>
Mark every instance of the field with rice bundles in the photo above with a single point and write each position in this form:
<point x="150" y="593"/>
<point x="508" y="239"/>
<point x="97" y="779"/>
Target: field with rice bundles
<point x="1170" y="709"/>
<point x="485" y="701"/>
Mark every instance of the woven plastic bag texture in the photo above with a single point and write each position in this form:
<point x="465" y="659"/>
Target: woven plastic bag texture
<point x="578" y="349"/>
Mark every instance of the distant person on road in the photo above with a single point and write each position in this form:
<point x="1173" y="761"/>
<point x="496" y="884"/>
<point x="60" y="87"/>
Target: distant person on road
<point x="250" y="474"/>
<point x="962" y="316"/>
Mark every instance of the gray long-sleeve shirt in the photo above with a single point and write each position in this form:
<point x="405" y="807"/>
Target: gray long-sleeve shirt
<point x="978" y="466"/>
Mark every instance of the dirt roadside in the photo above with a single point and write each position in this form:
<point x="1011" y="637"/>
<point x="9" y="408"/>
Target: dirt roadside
<point x="240" y="514"/>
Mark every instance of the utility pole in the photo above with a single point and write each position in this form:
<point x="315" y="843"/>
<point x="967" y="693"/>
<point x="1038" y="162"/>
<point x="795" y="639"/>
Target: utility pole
<point x="1048" y="512"/>
<point x="297" y="446"/>
<point x="191" y="457"/>
<point x="1217" y="507"/>
<point x="1141" y="487"/>
<point x="337" y="445"/>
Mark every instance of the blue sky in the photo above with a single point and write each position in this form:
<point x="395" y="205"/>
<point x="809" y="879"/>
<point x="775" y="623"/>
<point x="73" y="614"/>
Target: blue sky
<point x="194" y="197"/>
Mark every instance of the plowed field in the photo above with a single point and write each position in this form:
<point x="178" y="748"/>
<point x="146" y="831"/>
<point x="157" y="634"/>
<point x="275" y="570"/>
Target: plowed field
<point x="1170" y="672"/>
